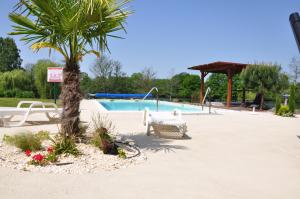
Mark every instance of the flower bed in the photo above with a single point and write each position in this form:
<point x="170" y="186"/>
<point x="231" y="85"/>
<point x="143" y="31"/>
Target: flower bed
<point x="91" y="160"/>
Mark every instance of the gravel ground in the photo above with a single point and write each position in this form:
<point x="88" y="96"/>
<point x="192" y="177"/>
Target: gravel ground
<point x="92" y="160"/>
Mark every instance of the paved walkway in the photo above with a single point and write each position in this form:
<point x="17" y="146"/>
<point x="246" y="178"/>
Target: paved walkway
<point x="231" y="155"/>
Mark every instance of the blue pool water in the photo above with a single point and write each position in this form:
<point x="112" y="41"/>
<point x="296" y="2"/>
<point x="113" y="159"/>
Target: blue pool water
<point x="131" y="105"/>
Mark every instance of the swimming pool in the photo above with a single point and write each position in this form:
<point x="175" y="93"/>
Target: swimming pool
<point x="138" y="105"/>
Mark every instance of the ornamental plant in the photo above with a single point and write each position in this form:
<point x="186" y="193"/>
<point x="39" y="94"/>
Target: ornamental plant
<point x="38" y="160"/>
<point x="277" y="104"/>
<point x="28" y="153"/>
<point x="102" y="137"/>
<point x="61" y="145"/>
<point x="73" y="28"/>
<point x="42" y="159"/>
<point x="24" y="141"/>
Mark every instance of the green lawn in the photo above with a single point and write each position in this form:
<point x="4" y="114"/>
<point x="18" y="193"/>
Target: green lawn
<point x="12" y="102"/>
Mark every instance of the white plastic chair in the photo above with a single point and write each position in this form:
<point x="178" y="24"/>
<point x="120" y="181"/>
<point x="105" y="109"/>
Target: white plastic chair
<point x="165" y="124"/>
<point x="6" y="114"/>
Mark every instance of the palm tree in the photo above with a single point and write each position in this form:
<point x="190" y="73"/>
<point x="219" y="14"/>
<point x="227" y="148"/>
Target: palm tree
<point x="74" y="28"/>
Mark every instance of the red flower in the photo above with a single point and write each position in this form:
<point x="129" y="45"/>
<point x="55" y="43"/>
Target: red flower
<point x="38" y="157"/>
<point x="28" y="152"/>
<point x="50" y="150"/>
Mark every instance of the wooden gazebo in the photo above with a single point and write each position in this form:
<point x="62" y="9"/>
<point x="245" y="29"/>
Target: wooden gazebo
<point x="228" y="68"/>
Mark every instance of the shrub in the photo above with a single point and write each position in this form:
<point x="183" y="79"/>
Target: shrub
<point x="284" y="111"/>
<point x="24" y="94"/>
<point x="277" y="104"/>
<point x="40" y="77"/>
<point x="9" y="93"/>
<point x="43" y="135"/>
<point x="121" y="153"/>
<point x="41" y="159"/>
<point x="104" y="141"/>
<point x="24" y="141"/>
<point x="103" y="138"/>
<point x="38" y="160"/>
<point x="63" y="145"/>
<point x="51" y="156"/>
<point x="292" y="99"/>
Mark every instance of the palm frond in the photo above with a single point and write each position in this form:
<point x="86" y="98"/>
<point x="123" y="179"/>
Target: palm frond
<point x="69" y="26"/>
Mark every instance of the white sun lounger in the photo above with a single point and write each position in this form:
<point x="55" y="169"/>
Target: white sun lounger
<point x="165" y="124"/>
<point x="6" y="114"/>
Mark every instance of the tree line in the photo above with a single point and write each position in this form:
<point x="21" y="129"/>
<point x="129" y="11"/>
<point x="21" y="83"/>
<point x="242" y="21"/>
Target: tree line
<point x="265" y="79"/>
<point x="109" y="78"/>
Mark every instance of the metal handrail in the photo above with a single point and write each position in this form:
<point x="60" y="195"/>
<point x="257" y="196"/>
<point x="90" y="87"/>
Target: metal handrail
<point x="208" y="90"/>
<point x="154" y="88"/>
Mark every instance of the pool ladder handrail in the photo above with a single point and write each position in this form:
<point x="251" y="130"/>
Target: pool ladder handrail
<point x="154" y="88"/>
<point x="208" y="90"/>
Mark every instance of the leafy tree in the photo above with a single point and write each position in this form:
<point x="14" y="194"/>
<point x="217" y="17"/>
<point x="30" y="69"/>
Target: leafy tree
<point x="135" y="82"/>
<point x="148" y="76"/>
<point x="30" y="72"/>
<point x="40" y="77"/>
<point x="295" y="69"/>
<point x="292" y="99"/>
<point x="103" y="69"/>
<point x="164" y="87"/>
<point x="218" y="84"/>
<point x="85" y="83"/>
<point x="297" y="95"/>
<point x="109" y="75"/>
<point x="186" y="85"/>
<point x="171" y="83"/>
<point x="9" y="55"/>
<point x="14" y="83"/>
<point x="262" y="78"/>
<point x="277" y="104"/>
<point x="73" y="28"/>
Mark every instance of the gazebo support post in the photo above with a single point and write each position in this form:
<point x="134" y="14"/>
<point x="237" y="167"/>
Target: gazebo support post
<point x="228" y="68"/>
<point x="229" y="87"/>
<point x="202" y="86"/>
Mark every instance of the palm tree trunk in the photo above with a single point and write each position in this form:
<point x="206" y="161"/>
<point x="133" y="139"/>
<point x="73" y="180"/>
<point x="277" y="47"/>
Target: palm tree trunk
<point x="71" y="96"/>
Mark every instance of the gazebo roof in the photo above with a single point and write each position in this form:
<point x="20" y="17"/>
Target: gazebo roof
<point x="220" y="67"/>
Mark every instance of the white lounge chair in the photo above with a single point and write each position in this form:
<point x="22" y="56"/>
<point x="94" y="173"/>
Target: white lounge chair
<point x="165" y="124"/>
<point x="6" y="114"/>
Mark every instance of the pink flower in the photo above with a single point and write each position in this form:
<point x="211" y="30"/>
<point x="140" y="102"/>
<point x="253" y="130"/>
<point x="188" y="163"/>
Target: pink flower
<point x="50" y="150"/>
<point x="38" y="157"/>
<point x="28" y="152"/>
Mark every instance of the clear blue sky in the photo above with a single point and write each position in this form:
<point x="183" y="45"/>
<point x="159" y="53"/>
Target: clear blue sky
<point x="176" y="34"/>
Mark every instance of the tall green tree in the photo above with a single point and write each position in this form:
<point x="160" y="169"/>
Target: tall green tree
<point x="74" y="28"/>
<point x="40" y="77"/>
<point x="185" y="85"/>
<point x="292" y="99"/>
<point x="148" y="77"/>
<point x="218" y="83"/>
<point x="9" y="55"/>
<point x="109" y="73"/>
<point x="262" y="78"/>
<point x="15" y="80"/>
<point x="294" y="67"/>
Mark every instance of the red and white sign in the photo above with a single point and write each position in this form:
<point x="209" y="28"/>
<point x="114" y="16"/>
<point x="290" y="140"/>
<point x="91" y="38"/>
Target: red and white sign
<point x="55" y="74"/>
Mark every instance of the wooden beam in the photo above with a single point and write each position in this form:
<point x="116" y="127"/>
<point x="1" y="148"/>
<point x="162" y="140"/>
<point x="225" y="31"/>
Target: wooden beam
<point x="229" y="88"/>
